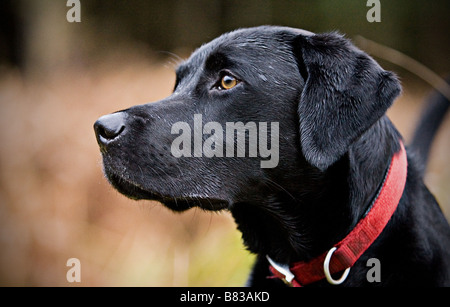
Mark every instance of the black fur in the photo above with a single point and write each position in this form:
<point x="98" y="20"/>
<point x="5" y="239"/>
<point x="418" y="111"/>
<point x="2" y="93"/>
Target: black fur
<point x="335" y="144"/>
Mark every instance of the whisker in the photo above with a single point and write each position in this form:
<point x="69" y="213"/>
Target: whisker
<point x="174" y="59"/>
<point x="276" y="185"/>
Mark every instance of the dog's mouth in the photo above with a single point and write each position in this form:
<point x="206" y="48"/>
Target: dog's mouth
<point x="175" y="203"/>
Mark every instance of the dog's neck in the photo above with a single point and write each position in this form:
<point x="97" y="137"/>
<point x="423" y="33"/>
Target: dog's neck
<point x="369" y="158"/>
<point x="298" y="228"/>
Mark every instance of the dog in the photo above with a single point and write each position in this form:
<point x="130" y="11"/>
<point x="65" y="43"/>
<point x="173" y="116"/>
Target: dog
<point x="342" y="202"/>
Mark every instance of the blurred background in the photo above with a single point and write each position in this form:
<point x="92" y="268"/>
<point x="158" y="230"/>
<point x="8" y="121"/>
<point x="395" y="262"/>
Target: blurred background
<point x="57" y="78"/>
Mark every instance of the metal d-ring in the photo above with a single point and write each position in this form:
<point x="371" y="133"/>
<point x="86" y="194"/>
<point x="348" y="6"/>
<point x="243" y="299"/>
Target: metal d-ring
<point x="326" y="269"/>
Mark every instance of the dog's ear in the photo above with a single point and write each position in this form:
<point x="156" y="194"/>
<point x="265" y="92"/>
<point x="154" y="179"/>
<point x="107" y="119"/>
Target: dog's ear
<point x="345" y="93"/>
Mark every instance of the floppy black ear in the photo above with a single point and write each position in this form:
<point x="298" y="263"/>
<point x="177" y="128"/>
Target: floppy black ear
<point x="345" y="93"/>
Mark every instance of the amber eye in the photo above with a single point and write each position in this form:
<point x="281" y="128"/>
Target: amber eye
<point x="228" y="82"/>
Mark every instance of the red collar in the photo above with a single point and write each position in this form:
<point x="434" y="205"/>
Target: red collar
<point x="344" y="254"/>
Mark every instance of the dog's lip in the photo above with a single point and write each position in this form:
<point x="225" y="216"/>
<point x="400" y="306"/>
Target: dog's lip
<point x="176" y="203"/>
<point x="127" y="187"/>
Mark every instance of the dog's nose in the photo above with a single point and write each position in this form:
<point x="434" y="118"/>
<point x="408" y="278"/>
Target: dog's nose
<point x="109" y="127"/>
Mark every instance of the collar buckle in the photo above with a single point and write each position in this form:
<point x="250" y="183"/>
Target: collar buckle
<point x="284" y="270"/>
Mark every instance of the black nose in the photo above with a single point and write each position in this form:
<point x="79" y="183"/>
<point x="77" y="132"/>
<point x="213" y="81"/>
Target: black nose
<point x="109" y="127"/>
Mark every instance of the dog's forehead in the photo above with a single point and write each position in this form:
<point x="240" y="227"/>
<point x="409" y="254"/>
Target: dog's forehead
<point x="247" y="43"/>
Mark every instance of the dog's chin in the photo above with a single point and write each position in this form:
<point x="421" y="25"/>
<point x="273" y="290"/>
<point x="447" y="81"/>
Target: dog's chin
<point x="174" y="203"/>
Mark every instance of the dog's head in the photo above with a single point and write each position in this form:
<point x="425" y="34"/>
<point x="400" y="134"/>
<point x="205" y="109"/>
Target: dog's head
<point x="254" y="113"/>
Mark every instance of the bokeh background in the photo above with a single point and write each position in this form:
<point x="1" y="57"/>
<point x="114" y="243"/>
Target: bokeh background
<point x="57" y="78"/>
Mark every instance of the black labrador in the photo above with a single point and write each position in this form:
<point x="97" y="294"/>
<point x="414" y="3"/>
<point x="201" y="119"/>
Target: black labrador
<point x="287" y="130"/>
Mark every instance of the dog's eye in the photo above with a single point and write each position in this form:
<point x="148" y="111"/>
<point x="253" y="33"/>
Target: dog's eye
<point x="228" y="82"/>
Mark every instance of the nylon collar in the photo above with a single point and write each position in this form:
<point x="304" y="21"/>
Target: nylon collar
<point x="343" y="255"/>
